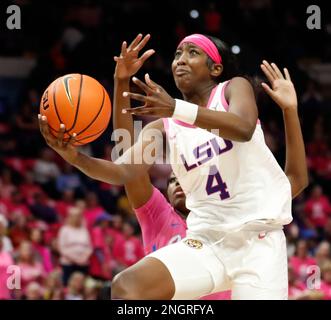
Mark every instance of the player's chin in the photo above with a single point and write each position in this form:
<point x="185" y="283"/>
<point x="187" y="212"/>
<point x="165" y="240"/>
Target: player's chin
<point x="179" y="202"/>
<point x="182" y="83"/>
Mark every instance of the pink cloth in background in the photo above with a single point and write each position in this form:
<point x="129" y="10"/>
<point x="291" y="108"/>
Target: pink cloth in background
<point x="31" y="272"/>
<point x="326" y="289"/>
<point x="5" y="261"/>
<point x="91" y="215"/>
<point x="300" y="266"/>
<point x="45" y="255"/>
<point x="101" y="240"/>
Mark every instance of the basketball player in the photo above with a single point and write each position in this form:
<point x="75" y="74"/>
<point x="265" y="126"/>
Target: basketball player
<point x="237" y="210"/>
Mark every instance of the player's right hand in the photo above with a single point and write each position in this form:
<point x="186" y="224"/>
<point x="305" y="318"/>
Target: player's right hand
<point x="128" y="63"/>
<point x="66" y="150"/>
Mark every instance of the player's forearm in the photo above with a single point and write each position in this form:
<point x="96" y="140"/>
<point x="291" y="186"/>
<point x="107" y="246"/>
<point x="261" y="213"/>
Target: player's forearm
<point x="229" y="125"/>
<point x="99" y="169"/>
<point x="295" y="165"/>
<point x="122" y="120"/>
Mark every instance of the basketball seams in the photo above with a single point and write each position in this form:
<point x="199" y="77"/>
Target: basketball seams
<point x="97" y="115"/>
<point x="54" y="101"/>
<point x="78" y="103"/>
<point x="92" y="135"/>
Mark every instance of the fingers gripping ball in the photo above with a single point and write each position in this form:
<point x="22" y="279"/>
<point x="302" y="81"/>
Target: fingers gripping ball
<point x="81" y="103"/>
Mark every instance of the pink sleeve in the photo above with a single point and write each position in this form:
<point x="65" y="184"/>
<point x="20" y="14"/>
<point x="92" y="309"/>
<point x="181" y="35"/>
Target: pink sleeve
<point x="48" y="265"/>
<point x="153" y="215"/>
<point x="97" y="238"/>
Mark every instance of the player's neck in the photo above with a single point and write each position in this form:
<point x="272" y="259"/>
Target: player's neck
<point x="200" y="96"/>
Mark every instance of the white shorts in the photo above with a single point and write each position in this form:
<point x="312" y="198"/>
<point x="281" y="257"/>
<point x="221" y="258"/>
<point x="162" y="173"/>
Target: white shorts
<point x="250" y="263"/>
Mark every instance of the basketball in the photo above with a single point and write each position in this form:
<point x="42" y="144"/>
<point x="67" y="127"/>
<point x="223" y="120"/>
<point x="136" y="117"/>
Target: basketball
<point x="81" y="103"/>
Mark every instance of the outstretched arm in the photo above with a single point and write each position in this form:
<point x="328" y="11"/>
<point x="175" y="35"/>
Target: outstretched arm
<point x="128" y="63"/>
<point x="282" y="91"/>
<point x="237" y="125"/>
<point x="135" y="161"/>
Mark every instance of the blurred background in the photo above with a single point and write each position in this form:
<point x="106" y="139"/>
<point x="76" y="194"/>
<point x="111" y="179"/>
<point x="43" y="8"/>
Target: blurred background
<point x="44" y="202"/>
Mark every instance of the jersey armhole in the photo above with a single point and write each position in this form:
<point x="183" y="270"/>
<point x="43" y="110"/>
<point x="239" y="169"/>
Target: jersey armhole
<point x="224" y="102"/>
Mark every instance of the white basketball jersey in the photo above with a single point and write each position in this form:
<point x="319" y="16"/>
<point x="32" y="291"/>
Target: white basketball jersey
<point x="228" y="184"/>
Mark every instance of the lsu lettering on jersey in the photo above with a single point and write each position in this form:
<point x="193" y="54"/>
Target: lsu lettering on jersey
<point x="228" y="184"/>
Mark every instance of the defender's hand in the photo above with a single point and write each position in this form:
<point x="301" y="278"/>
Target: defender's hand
<point x="282" y="90"/>
<point x="128" y="63"/>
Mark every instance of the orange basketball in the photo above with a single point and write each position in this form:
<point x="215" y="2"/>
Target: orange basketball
<point x="81" y="103"/>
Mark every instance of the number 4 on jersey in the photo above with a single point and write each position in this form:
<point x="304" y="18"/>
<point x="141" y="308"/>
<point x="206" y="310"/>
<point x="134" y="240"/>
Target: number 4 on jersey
<point x="220" y="186"/>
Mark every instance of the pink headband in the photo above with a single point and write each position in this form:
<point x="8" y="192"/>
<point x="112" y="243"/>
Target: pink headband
<point x="205" y="44"/>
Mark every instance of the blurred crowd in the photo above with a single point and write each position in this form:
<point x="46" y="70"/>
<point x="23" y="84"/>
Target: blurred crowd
<point x="69" y="235"/>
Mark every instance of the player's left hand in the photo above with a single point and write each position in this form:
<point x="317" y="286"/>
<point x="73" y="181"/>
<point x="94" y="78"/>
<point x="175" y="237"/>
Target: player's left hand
<point x="158" y="103"/>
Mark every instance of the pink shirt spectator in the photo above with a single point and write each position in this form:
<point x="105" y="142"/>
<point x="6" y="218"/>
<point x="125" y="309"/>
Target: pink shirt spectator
<point x="45" y="256"/>
<point x="62" y="209"/>
<point x="91" y="215"/>
<point x="326" y="289"/>
<point x="16" y="209"/>
<point x="301" y="266"/>
<point x="117" y="244"/>
<point x="296" y="289"/>
<point x="74" y="245"/>
<point x="31" y="272"/>
<point x="5" y="261"/>
<point x="167" y="227"/>
<point x="101" y="240"/>
<point x="132" y="252"/>
<point x="318" y="211"/>
<point x="29" y="190"/>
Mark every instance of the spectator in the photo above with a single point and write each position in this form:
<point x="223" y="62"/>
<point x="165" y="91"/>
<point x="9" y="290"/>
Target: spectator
<point x="318" y="209"/>
<point x="67" y="200"/>
<point x="53" y="286"/>
<point x="46" y="171"/>
<point x="6" y="184"/>
<point x="19" y="232"/>
<point x="75" y="289"/>
<point x="74" y="245"/>
<point x="326" y="280"/>
<point x="27" y="130"/>
<point x="69" y="180"/>
<point x="327" y="230"/>
<point x="29" y="187"/>
<point x="17" y="206"/>
<point x="6" y="243"/>
<point x="33" y="291"/>
<point x="37" y="241"/>
<point x="100" y="266"/>
<point x="5" y="262"/>
<point x="43" y="208"/>
<point x="296" y="288"/>
<point x="212" y="20"/>
<point x="132" y="250"/>
<point x="301" y="261"/>
<point x="93" y="209"/>
<point x="91" y="289"/>
<point x="31" y="269"/>
<point x="323" y="253"/>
